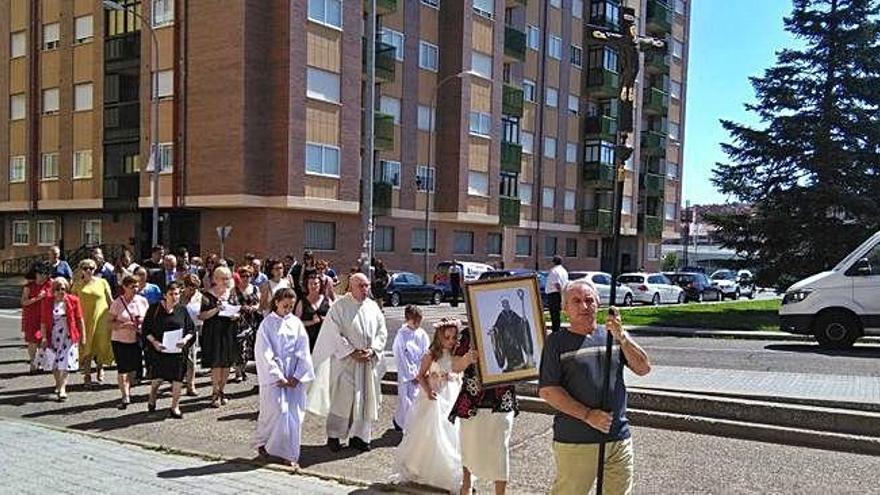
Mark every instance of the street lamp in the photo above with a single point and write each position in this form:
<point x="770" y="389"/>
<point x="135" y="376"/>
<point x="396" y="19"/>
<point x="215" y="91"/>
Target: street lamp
<point x="154" y="107"/>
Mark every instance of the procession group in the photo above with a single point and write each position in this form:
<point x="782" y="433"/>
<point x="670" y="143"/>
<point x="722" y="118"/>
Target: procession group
<point x="321" y="350"/>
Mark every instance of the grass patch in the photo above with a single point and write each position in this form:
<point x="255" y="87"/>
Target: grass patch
<point x="740" y="315"/>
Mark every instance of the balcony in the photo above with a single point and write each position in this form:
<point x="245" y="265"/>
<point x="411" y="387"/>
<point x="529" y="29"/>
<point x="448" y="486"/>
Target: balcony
<point x="598" y="221"/>
<point x="656" y="101"/>
<point x="122" y="121"/>
<point x="657" y="62"/>
<point x="512" y="101"/>
<point x="602" y="83"/>
<point x="601" y="127"/>
<point x="382" y="198"/>
<point x="121" y="192"/>
<point x="384" y="131"/>
<point x="659" y="18"/>
<point x="508" y="211"/>
<point x="654" y="143"/>
<point x="655" y="185"/>
<point x="600" y="175"/>
<point x="384" y="7"/>
<point x="511" y="157"/>
<point x="514" y="43"/>
<point x="651" y="226"/>
<point x="386" y="64"/>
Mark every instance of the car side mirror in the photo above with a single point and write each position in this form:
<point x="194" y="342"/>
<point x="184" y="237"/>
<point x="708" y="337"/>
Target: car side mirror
<point x="862" y="267"/>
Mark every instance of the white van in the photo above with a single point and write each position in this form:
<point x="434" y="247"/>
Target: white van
<point x="840" y="305"/>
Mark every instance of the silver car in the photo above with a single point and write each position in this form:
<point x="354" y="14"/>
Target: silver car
<point x="602" y="281"/>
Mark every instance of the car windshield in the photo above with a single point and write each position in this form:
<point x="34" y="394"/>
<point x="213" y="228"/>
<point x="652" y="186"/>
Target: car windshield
<point x="631" y="279"/>
<point x="723" y="276"/>
<point x="845" y="262"/>
<point x="681" y="278"/>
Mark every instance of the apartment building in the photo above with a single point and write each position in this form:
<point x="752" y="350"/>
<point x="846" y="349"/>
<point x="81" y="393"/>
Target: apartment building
<point x="498" y="115"/>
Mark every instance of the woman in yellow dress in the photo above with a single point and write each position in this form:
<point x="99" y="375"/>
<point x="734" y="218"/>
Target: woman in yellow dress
<point x="94" y="295"/>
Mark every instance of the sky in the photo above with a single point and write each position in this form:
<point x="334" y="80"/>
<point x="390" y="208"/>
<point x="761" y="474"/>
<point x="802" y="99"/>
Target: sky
<point x="730" y="41"/>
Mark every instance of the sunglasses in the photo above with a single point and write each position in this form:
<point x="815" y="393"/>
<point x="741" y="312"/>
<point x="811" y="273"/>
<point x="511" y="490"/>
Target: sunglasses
<point x="88" y="268"/>
<point x="244" y="275"/>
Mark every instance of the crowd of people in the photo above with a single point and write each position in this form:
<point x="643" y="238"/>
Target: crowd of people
<point x="320" y="349"/>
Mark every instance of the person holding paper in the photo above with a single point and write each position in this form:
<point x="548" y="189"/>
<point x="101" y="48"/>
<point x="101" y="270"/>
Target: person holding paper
<point x="169" y="331"/>
<point x="220" y="315"/>
<point x="284" y="366"/>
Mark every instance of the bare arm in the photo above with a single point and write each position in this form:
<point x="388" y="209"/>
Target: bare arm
<point x="423" y="376"/>
<point x="636" y="357"/>
<point x="562" y="401"/>
<point x="27" y="301"/>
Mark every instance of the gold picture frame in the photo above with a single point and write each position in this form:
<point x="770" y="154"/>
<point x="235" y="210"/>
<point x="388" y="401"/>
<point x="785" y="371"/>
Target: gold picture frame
<point x="506" y="319"/>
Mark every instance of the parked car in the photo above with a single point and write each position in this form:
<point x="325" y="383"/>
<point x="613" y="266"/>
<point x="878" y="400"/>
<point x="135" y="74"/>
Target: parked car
<point x="407" y="287"/>
<point x="840" y="305"/>
<point x="469" y="271"/>
<point x="516" y="272"/>
<point x="733" y="285"/>
<point x="602" y="281"/>
<point x="697" y="286"/>
<point x="653" y="288"/>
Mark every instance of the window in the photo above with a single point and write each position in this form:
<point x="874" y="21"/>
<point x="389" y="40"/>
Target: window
<point x="675" y="90"/>
<point x="46" y="232"/>
<point x="388" y="172"/>
<point x="533" y="37"/>
<point x="163" y="12"/>
<point x="568" y="200"/>
<point x="383" y="239"/>
<point x="527" y="141"/>
<point x="599" y="151"/>
<point x="432" y="3"/>
<point x="21" y="233"/>
<point x="554" y="49"/>
<point x="165" y="156"/>
<point x="556" y="3"/>
<point x="425" y="178"/>
<point x="50" y="101"/>
<point x="16" y="168"/>
<point x="571" y="248"/>
<point x="51" y="35"/>
<point x="481" y="124"/>
<point x="481" y="64"/>
<point x="328" y="12"/>
<point x="675" y="131"/>
<point x="485" y="8"/>
<point x="577" y="8"/>
<point x="627" y="207"/>
<point x="592" y="248"/>
<point x="428" y="56"/>
<point x="493" y="244"/>
<point x="478" y="183"/>
<point x="463" y="242"/>
<point x="394" y="39"/>
<point x="549" y="246"/>
<point x="322" y="159"/>
<point x="92" y="232"/>
<point x="320" y="236"/>
<point x="82" y="97"/>
<point x="82" y="164"/>
<point x="671" y="170"/>
<point x="523" y="245"/>
<point x="417" y="240"/>
<point x="16" y="107"/>
<point x="508" y="185"/>
<point x="322" y="85"/>
<point x="528" y="90"/>
<point x="551" y="97"/>
<point x="548" y="197"/>
<point x="525" y="193"/>
<point x="653" y="251"/>
<point x="573" y="104"/>
<point x="18" y="45"/>
<point x="83" y="31"/>
<point x="426" y="118"/>
<point x="599" y="58"/>
<point x="549" y="147"/>
<point x="577" y="56"/>
<point x="163" y="83"/>
<point x="390" y="106"/>
<point x="679" y="7"/>
<point x="677" y="48"/>
<point x="670" y="211"/>
<point x="571" y="152"/>
<point x="49" y="169"/>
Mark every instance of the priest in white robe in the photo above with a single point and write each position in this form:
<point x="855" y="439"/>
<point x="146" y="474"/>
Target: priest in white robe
<point x="348" y="367"/>
<point x="284" y="367"/>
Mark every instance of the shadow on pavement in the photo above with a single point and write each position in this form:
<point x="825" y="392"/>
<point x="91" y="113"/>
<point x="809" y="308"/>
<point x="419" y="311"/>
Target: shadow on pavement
<point x="14" y="374"/>
<point x="33" y="398"/>
<point x="14" y="361"/>
<point x="250" y="416"/>
<point x="313" y="455"/>
<point x="855" y="352"/>
<point x="13" y="346"/>
<point x="48" y="389"/>
<point x="238" y="465"/>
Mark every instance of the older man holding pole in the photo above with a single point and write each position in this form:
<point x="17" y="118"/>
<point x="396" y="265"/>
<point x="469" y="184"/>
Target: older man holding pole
<point x="571" y="380"/>
<point x="348" y="367"/>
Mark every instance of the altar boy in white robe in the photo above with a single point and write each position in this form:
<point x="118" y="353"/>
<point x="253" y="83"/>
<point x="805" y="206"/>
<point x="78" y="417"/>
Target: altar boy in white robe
<point x="348" y="367"/>
<point x="284" y="367"/>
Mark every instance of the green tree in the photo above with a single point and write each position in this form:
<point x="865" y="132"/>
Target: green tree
<point x="811" y="169"/>
<point x="670" y="262"/>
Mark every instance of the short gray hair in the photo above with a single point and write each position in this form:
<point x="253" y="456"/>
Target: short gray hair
<point x="581" y="282"/>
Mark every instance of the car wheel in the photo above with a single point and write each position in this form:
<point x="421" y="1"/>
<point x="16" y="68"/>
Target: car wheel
<point x="837" y="330"/>
<point x="752" y="293"/>
<point x="628" y="300"/>
<point x="699" y="297"/>
<point x="656" y="299"/>
<point x="736" y="295"/>
<point x="395" y="299"/>
<point x="682" y="297"/>
<point x="437" y="298"/>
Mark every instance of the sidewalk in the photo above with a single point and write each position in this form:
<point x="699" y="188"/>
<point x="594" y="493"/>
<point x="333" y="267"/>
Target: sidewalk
<point x="36" y="459"/>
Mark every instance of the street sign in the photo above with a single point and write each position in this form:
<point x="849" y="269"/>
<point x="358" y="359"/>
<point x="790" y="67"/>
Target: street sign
<point x="223" y="233"/>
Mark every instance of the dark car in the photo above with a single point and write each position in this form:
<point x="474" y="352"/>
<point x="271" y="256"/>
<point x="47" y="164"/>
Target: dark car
<point x="407" y="287"/>
<point x="517" y="272"/>
<point x="697" y="286"/>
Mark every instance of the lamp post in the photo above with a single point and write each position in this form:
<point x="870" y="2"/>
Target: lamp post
<point x="154" y="108"/>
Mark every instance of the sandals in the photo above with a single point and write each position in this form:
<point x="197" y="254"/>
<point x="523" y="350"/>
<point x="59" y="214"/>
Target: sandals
<point x="215" y="400"/>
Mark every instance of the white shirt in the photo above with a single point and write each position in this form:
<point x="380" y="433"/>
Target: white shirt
<point x="557" y="275"/>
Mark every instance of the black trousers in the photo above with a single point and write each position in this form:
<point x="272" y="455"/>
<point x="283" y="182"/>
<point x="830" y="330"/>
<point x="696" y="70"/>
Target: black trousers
<point x="456" y="293"/>
<point x="554" y="303"/>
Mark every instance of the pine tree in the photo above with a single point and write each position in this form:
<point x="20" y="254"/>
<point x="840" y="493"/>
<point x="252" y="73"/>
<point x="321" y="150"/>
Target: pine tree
<point x="812" y="168"/>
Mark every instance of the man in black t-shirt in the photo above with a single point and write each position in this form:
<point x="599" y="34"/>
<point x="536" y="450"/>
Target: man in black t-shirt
<point x="571" y="380"/>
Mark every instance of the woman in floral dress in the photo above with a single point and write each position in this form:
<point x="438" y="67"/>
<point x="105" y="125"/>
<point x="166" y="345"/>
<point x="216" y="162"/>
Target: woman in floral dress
<point x="62" y="326"/>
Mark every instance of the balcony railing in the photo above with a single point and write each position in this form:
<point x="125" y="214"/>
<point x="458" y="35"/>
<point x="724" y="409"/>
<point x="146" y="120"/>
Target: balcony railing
<point x="651" y="226"/>
<point x="659" y="19"/>
<point x="654" y="143"/>
<point x="656" y="101"/>
<point x="511" y="157"/>
<point x="121" y="192"/>
<point x="598" y="221"/>
<point x="601" y="127"/>
<point x="599" y="175"/>
<point x="508" y="211"/>
<point x="384" y="131"/>
<point x="514" y="43"/>
<point x="654" y="185"/>
<point x="122" y="121"/>
<point x="602" y="83"/>
<point x="512" y="101"/>
<point x="386" y="64"/>
<point x="382" y="198"/>
<point x="657" y="62"/>
<point x="384" y="7"/>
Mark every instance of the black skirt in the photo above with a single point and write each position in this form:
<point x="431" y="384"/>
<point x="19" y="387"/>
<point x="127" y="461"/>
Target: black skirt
<point x="128" y="356"/>
<point x="167" y="366"/>
<point x="219" y="348"/>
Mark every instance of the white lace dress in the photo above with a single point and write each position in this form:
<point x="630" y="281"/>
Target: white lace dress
<point x="429" y="453"/>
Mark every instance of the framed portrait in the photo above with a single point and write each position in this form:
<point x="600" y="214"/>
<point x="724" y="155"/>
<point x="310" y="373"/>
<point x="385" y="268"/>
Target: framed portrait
<point x="507" y="325"/>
